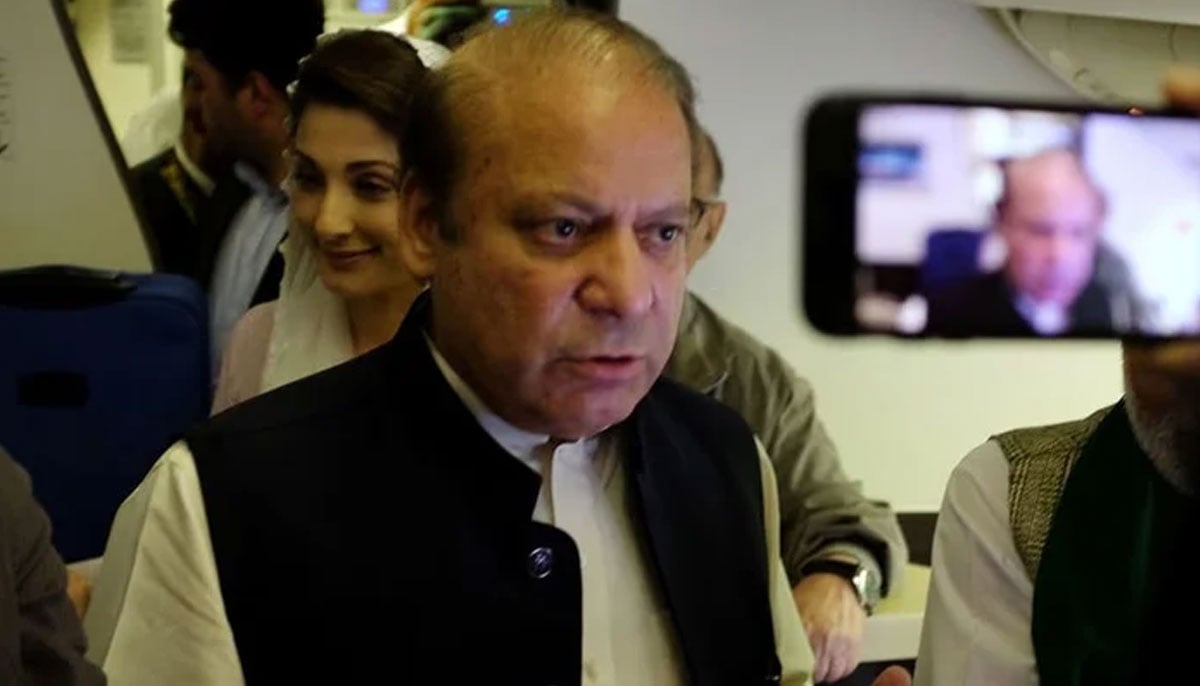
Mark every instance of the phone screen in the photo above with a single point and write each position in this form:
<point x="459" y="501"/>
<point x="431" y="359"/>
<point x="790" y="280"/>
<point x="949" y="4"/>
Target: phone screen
<point x="997" y="221"/>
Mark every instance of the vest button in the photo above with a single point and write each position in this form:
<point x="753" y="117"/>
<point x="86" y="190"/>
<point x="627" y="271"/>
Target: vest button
<point x="541" y="562"/>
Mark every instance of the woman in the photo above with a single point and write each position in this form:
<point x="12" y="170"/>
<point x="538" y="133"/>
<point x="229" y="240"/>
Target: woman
<point x="344" y="290"/>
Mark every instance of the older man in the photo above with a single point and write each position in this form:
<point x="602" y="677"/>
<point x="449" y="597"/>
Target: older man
<point x="1066" y="554"/>
<point x="505" y="493"/>
<point x="1050" y="217"/>
<point x="841" y="550"/>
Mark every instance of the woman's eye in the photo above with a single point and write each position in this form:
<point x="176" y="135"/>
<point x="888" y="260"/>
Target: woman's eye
<point x="373" y="188"/>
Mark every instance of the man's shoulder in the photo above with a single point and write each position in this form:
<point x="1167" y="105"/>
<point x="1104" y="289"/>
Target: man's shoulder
<point x="971" y="292"/>
<point x="14" y="487"/>
<point x="708" y="340"/>
<point x="709" y="421"/>
<point x="149" y="172"/>
<point x="1052" y="441"/>
<point x="317" y="403"/>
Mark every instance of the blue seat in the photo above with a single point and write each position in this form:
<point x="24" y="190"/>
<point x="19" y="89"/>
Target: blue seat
<point x="951" y="256"/>
<point x="99" y="373"/>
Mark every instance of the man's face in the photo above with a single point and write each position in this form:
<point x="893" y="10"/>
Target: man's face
<point x="559" y="301"/>
<point x="1051" y="224"/>
<point x="194" y="133"/>
<point x="212" y="101"/>
<point x="1162" y="385"/>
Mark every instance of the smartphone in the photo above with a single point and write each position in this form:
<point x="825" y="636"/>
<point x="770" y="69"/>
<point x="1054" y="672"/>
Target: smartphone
<point x="948" y="217"/>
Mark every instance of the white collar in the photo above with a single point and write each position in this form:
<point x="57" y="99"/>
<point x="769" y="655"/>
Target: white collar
<point x="197" y="175"/>
<point x="1046" y="319"/>
<point x="519" y="443"/>
<point x="258" y="185"/>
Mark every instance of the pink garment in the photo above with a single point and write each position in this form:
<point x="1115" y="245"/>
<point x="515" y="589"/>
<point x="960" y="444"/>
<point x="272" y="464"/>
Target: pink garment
<point x="245" y="358"/>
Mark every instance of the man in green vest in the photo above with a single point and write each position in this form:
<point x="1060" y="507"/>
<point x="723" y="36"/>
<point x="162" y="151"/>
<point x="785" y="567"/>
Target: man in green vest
<point x="1065" y="554"/>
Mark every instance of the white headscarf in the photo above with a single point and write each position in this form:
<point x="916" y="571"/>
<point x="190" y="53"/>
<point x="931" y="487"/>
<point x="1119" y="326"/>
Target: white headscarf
<point x="311" y="331"/>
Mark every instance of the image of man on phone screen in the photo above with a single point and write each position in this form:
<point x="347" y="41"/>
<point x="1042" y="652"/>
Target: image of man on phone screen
<point x="1049" y="218"/>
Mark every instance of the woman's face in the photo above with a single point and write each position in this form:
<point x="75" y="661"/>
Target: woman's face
<point x="344" y="182"/>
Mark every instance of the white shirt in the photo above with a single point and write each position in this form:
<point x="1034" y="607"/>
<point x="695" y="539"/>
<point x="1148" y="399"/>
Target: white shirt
<point x="1046" y="319"/>
<point x="157" y="616"/>
<point x="252" y="240"/>
<point x="977" y="627"/>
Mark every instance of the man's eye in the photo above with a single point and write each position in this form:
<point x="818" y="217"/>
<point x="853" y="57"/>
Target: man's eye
<point x="669" y="233"/>
<point x="560" y="231"/>
<point x="565" y="228"/>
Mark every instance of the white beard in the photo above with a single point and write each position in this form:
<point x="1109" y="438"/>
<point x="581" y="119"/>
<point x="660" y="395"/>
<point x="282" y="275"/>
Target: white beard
<point x="1171" y="439"/>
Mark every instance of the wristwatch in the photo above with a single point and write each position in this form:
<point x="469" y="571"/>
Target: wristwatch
<point x="860" y="577"/>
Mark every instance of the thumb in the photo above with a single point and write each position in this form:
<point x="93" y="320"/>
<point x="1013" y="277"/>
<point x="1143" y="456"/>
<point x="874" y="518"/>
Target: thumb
<point x="893" y="676"/>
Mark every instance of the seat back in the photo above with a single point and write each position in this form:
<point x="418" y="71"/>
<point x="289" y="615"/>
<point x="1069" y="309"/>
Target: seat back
<point x="99" y="373"/>
<point x="951" y="255"/>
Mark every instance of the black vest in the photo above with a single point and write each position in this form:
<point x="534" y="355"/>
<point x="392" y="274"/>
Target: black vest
<point x="367" y="530"/>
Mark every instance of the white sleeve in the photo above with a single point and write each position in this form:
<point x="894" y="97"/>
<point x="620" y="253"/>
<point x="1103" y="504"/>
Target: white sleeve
<point x="977" y="619"/>
<point x="157" y="615"/>
<point x="791" y="641"/>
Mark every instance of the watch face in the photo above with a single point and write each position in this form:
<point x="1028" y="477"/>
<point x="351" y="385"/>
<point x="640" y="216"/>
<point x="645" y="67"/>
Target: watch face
<point x="868" y="587"/>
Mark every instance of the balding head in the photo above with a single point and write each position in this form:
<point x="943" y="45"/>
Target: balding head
<point x="501" y="73"/>
<point x="1050" y="216"/>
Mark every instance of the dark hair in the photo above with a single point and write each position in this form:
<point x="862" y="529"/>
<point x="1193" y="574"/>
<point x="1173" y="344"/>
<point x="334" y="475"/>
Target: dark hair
<point x="242" y="36"/>
<point x="434" y="146"/>
<point x="372" y="71"/>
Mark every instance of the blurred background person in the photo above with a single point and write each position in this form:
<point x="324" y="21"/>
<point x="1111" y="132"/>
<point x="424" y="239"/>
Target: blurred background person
<point x="41" y="639"/>
<point x="447" y="21"/>
<point x="842" y="551"/>
<point x="173" y="186"/>
<point x="344" y="290"/>
<point x="243" y="54"/>
<point x="1049" y="216"/>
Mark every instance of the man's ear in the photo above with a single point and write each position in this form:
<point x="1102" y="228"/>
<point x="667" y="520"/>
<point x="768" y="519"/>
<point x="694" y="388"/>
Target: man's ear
<point x="258" y="98"/>
<point x="419" y="227"/>
<point x="706" y="233"/>
<point x="715" y="222"/>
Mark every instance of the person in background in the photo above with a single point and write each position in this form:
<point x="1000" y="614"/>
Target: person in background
<point x="447" y="22"/>
<point x="173" y="186"/>
<point x="506" y="491"/>
<point x="344" y="288"/>
<point x="243" y="54"/>
<point x="1066" y="554"/>
<point x="1049" y="216"/>
<point x="841" y="550"/>
<point x="41" y="640"/>
<point x="155" y="128"/>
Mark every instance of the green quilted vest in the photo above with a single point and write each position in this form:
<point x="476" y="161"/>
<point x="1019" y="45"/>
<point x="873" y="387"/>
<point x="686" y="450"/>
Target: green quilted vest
<point x="1108" y="543"/>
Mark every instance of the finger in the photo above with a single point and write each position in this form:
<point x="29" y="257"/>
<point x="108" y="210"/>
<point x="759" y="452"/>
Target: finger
<point x="1182" y="87"/>
<point x="894" y="676"/>
<point x="843" y="659"/>
<point x="837" y="667"/>
<point x="820" y="658"/>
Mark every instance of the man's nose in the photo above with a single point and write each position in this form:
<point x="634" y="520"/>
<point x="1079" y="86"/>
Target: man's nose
<point x="619" y="282"/>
